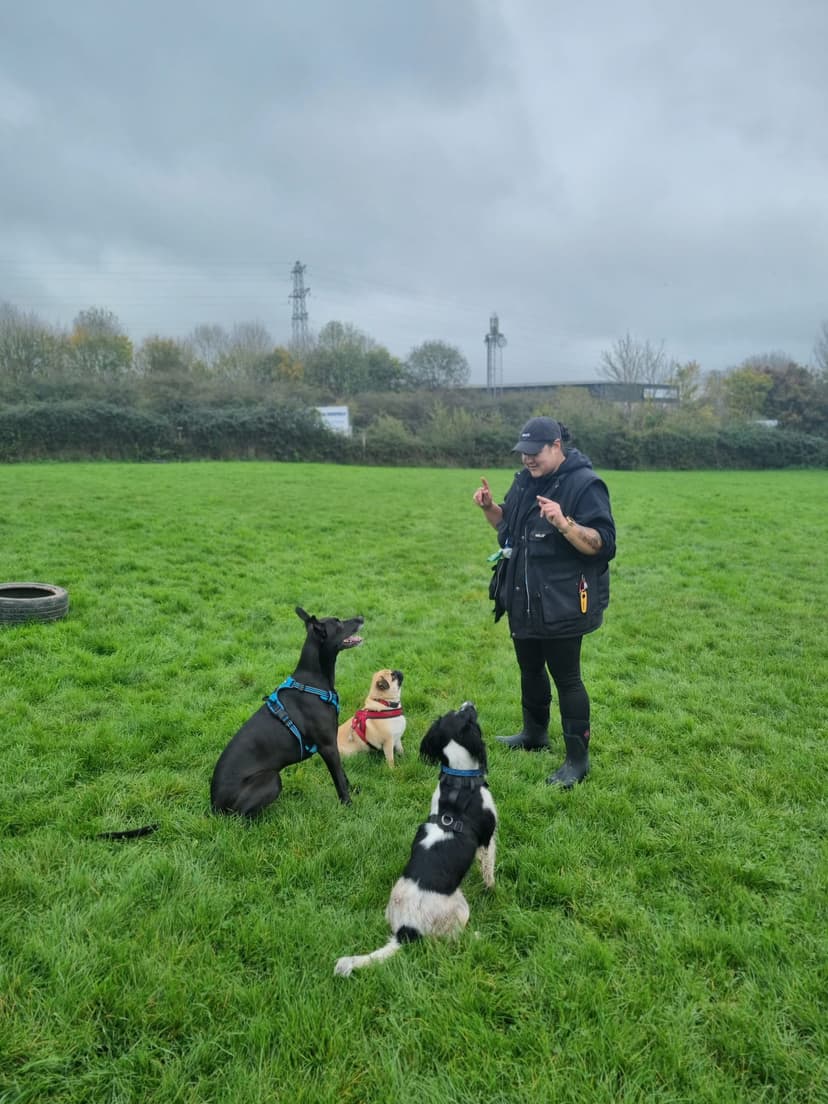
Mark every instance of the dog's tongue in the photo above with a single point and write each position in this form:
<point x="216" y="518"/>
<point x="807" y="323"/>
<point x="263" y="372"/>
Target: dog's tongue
<point x="352" y="642"/>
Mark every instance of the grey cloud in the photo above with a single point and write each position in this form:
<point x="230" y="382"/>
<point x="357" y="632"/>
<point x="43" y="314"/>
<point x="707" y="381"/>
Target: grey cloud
<point x="658" y="168"/>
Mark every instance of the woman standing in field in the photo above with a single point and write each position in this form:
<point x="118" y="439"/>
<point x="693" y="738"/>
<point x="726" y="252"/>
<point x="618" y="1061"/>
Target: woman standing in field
<point x="557" y="535"/>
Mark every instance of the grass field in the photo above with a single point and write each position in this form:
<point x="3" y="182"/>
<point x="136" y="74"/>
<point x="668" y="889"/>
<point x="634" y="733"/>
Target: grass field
<point x="658" y="934"/>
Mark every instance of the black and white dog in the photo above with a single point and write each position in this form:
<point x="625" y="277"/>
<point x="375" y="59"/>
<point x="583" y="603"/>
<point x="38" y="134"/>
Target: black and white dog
<point x="427" y="899"/>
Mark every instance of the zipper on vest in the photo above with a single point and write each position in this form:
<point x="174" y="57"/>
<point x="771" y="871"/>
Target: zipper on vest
<point x="526" y="569"/>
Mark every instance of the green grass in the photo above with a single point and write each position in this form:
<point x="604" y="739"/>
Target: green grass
<point x="657" y="934"/>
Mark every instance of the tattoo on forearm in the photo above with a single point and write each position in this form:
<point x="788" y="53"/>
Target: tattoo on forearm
<point x="590" y="538"/>
<point x="593" y="540"/>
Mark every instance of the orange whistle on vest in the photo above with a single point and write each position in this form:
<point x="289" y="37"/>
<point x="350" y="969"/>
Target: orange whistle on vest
<point x="583" y="595"/>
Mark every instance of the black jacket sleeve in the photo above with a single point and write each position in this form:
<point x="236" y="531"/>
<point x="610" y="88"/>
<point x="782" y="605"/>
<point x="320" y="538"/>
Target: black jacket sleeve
<point x="593" y="510"/>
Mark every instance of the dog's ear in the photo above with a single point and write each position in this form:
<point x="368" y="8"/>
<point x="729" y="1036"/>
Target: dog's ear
<point x="473" y="742"/>
<point x="398" y="675"/>
<point x="431" y="748"/>
<point x="310" y="621"/>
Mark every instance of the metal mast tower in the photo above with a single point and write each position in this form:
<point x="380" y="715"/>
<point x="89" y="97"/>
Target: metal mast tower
<point x="299" y="319"/>
<point x="495" y="341"/>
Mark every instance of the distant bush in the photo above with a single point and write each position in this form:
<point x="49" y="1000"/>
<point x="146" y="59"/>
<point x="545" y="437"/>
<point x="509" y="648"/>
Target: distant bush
<point x="387" y="441"/>
<point x="78" y="429"/>
<point x="264" y="433"/>
<point x="760" y="447"/>
<point x="608" y="447"/>
<point x="423" y="433"/>
<point x="94" y="430"/>
<point x="664" y="447"/>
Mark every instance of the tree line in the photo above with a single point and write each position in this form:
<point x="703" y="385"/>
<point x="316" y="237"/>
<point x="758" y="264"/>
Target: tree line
<point x="770" y="386"/>
<point x="95" y="353"/>
<point x="221" y="393"/>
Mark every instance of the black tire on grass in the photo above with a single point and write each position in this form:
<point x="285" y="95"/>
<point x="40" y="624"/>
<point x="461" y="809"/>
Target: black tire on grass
<point x="32" y="602"/>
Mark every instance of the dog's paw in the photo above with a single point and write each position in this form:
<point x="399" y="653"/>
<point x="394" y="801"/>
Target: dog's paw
<point x="344" y="967"/>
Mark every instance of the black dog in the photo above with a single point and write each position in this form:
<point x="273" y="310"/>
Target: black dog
<point x="297" y="719"/>
<point x="427" y="899"/>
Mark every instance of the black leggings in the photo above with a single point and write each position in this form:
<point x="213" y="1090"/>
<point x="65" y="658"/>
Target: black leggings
<point x="563" y="659"/>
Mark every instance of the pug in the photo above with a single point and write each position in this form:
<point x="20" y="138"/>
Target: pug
<point x="380" y="724"/>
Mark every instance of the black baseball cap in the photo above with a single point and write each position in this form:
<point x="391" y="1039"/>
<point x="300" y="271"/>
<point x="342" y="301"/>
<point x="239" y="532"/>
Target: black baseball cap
<point x="536" y="433"/>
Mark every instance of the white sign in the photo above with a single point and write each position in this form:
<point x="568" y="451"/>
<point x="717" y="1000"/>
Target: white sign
<point x="336" y="418"/>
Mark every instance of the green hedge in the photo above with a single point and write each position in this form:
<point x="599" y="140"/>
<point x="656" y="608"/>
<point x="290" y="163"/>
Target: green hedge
<point x="747" y="447"/>
<point x="81" y="430"/>
<point x="758" y="447"/>
<point x="265" y="433"/>
<point x="447" y="436"/>
<point x="94" y="430"/>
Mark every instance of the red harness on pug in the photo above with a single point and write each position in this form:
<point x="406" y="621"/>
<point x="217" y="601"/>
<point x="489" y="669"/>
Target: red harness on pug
<point x="363" y="715"/>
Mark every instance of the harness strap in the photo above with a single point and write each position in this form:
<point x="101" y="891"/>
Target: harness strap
<point x="460" y="788"/>
<point x="363" y="715"/>
<point x="447" y="822"/>
<point x="281" y="714"/>
<point x="274" y="705"/>
<point x="330" y="696"/>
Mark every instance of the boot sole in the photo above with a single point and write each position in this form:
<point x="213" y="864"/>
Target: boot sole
<point x="552" y="781"/>
<point x="523" y="747"/>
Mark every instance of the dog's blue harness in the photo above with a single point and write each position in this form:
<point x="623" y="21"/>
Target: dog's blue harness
<point x="476" y="780"/>
<point x="274" y="704"/>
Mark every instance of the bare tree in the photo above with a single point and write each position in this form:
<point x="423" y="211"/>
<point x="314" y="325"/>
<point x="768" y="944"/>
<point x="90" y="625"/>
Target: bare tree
<point x="29" y="349"/>
<point x="249" y="342"/>
<point x="633" y="361"/>
<point x="232" y="354"/>
<point x="209" y="343"/>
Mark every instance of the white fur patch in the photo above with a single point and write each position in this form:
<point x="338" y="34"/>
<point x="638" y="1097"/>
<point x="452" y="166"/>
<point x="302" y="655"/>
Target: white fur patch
<point x="458" y="757"/>
<point x="435" y="801"/>
<point x="487" y="800"/>
<point x="427" y="912"/>
<point x="434" y="834"/>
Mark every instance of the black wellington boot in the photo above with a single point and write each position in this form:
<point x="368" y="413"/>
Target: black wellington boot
<point x="575" y="767"/>
<point x="533" y="737"/>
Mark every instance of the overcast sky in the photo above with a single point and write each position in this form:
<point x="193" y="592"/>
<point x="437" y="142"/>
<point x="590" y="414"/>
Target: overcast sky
<point x="657" y="167"/>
